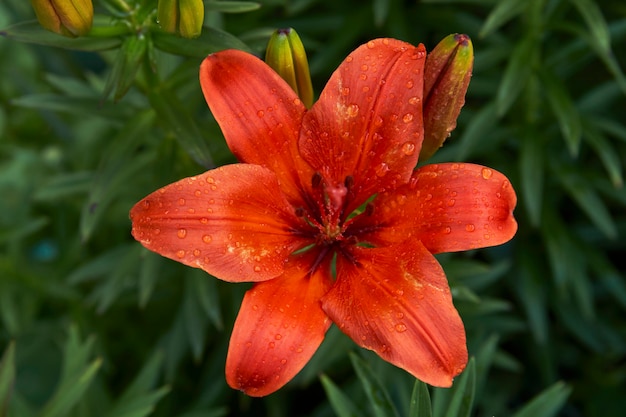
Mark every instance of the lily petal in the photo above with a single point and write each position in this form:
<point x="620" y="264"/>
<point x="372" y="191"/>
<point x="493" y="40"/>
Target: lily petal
<point x="448" y="207"/>
<point x="232" y="222"/>
<point x="396" y="302"/>
<point x="279" y="327"/>
<point x="259" y="114"/>
<point x="367" y="123"/>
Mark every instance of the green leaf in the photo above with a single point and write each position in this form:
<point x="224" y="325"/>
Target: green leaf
<point x="381" y="11"/>
<point x="32" y="32"/>
<point x="547" y="403"/>
<point x="211" y="40"/>
<point x="7" y="376"/>
<point x="477" y="129"/>
<point x="75" y="105"/>
<point x="125" y="67"/>
<point x="378" y="397"/>
<point x="517" y="73"/>
<point x="230" y="6"/>
<point x="532" y="174"/>
<point x="607" y="153"/>
<point x="420" y="401"/>
<point x="76" y="376"/>
<point x="149" y="274"/>
<point x="592" y="15"/>
<point x="340" y="402"/>
<point x="458" y="400"/>
<point x="119" y="163"/>
<point x="588" y="200"/>
<point x="503" y="12"/>
<point x="140" y="398"/>
<point x="172" y="113"/>
<point x="531" y="289"/>
<point x="564" y="110"/>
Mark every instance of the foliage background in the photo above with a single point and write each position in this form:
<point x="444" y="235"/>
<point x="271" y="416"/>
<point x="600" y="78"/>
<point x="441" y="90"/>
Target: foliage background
<point x="91" y="324"/>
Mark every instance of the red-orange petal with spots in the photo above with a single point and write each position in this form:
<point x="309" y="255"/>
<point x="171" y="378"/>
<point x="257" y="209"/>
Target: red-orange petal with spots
<point x="396" y="302"/>
<point x="279" y="327"/>
<point x="259" y="114"/>
<point x="232" y="222"/>
<point x="367" y="123"/>
<point x="448" y="207"/>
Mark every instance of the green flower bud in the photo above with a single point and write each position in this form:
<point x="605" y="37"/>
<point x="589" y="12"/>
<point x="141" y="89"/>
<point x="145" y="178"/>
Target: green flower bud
<point x="66" y="17"/>
<point x="285" y="54"/>
<point x="447" y="74"/>
<point x="183" y="17"/>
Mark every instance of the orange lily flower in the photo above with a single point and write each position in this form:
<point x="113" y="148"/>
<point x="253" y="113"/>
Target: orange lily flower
<point x="327" y="214"/>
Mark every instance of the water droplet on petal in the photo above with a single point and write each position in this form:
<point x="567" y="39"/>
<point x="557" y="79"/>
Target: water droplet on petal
<point x="486" y="173"/>
<point x="353" y="110"/>
<point x="409" y="84"/>
<point x="181" y="201"/>
<point x="207" y="238"/>
<point x="257" y="269"/>
<point x="400" y="327"/>
<point x="447" y="230"/>
<point x="278" y="336"/>
<point x="470" y="227"/>
<point x="414" y="100"/>
<point x="428" y="197"/>
<point x="408" y="148"/>
<point x="180" y="254"/>
<point x="451" y="202"/>
<point x="182" y="233"/>
<point x="382" y="169"/>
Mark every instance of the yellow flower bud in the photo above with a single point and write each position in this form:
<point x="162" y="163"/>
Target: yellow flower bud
<point x="65" y="17"/>
<point x="285" y="54"/>
<point x="183" y="17"/>
<point x="447" y="74"/>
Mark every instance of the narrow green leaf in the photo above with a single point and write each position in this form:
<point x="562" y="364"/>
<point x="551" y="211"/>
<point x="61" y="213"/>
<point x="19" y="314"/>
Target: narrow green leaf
<point x="592" y="15"/>
<point x="503" y="12"/>
<point x="231" y="6"/>
<point x="194" y="319"/>
<point x="32" y="32"/>
<point x="564" y="110"/>
<point x="516" y="74"/>
<point x="547" y="403"/>
<point x="205" y="290"/>
<point x="588" y="200"/>
<point x="532" y="174"/>
<point x="148" y="275"/>
<point x="140" y="398"/>
<point x="76" y="105"/>
<point x="68" y="394"/>
<point x="340" y="402"/>
<point x="76" y="375"/>
<point x="7" y="376"/>
<point x="420" y="401"/>
<point x="381" y="11"/>
<point x="484" y="360"/>
<point x="532" y="292"/>
<point x="211" y="40"/>
<point x="65" y="185"/>
<point x="461" y="395"/>
<point x="607" y="153"/>
<point x="171" y="112"/>
<point x="378" y="397"/>
<point x="478" y="128"/>
<point x="125" y="67"/>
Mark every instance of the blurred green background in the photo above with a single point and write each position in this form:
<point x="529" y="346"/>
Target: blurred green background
<point x="92" y="324"/>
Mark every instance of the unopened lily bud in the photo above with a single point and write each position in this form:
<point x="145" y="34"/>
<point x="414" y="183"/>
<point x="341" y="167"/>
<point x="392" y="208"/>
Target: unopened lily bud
<point x="183" y="17"/>
<point x="66" y="17"/>
<point x="285" y="54"/>
<point x="447" y="74"/>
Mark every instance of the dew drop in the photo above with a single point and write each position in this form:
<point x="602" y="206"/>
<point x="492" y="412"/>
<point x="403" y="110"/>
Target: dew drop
<point x="196" y="252"/>
<point x="447" y="230"/>
<point x="299" y="350"/>
<point x="345" y="91"/>
<point x="207" y="238"/>
<point x="352" y="110"/>
<point x="364" y="67"/>
<point x="257" y="269"/>
<point x="408" y="148"/>
<point x="204" y="220"/>
<point x="409" y="84"/>
<point x="283" y="361"/>
<point x="278" y="336"/>
<point x="157" y="231"/>
<point x="371" y="45"/>
<point x="349" y="59"/>
<point x="428" y="197"/>
<point x="180" y="254"/>
<point x="182" y="233"/>
<point x="470" y="227"/>
<point x="272" y="345"/>
<point x="260" y="113"/>
<point x="451" y="202"/>
<point x="400" y="327"/>
<point x="407" y="118"/>
<point x="486" y="236"/>
<point x="181" y="201"/>
<point x="378" y="121"/>
<point x="414" y="100"/>
<point x="486" y="173"/>
<point x="210" y="180"/>
<point x="146" y="204"/>
<point x="255" y="307"/>
<point x="382" y="169"/>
